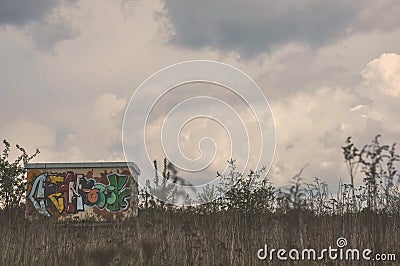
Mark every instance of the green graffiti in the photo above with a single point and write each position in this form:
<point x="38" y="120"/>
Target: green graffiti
<point x="113" y="196"/>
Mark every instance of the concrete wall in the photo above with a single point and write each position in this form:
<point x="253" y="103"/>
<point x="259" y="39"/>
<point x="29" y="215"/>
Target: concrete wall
<point x="101" y="191"/>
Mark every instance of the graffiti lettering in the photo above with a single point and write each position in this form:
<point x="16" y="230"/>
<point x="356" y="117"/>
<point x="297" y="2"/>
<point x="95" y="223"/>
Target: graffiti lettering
<point x="72" y="193"/>
<point x="113" y="196"/>
<point x="38" y="200"/>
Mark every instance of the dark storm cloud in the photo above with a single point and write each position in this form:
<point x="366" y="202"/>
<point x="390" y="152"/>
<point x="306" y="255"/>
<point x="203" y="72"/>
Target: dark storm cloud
<point x="19" y="12"/>
<point x="251" y="27"/>
<point x="47" y="34"/>
<point x="46" y="25"/>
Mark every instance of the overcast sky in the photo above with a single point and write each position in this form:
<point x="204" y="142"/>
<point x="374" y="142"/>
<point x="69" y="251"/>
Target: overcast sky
<point x="329" y="69"/>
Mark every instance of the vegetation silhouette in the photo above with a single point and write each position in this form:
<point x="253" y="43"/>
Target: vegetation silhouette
<point x="227" y="230"/>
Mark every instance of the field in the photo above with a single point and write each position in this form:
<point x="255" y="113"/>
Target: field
<point x="253" y="223"/>
<point x="187" y="238"/>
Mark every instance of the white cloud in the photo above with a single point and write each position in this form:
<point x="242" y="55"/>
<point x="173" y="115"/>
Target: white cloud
<point x="108" y="107"/>
<point x="383" y="74"/>
<point x="100" y="137"/>
<point x="311" y="127"/>
<point x="31" y="136"/>
<point x="309" y="131"/>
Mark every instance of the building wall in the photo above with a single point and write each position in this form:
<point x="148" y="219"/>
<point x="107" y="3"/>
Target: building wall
<point x="81" y="193"/>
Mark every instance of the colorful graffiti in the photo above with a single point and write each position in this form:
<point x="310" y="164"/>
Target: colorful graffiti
<point x="72" y="193"/>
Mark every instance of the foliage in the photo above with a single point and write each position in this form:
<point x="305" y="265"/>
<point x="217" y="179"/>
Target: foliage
<point x="154" y="196"/>
<point x="250" y="193"/>
<point x="378" y="165"/>
<point x="12" y="179"/>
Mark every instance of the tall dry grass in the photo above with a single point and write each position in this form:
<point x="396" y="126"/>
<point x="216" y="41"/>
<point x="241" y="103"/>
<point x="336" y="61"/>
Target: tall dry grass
<point x="187" y="238"/>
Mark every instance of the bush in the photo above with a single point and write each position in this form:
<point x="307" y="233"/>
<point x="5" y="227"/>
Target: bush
<point x="12" y="179"/>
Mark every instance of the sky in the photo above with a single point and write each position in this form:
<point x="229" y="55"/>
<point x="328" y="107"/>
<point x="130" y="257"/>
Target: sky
<point x="329" y="70"/>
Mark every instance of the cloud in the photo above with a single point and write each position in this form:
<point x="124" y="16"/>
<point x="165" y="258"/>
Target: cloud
<point x="307" y="61"/>
<point x="383" y="74"/>
<point x="368" y="18"/>
<point x="311" y="126"/>
<point x="254" y="27"/>
<point x="310" y="130"/>
<point x="381" y="84"/>
<point x="19" y="12"/>
<point x="107" y="106"/>
<point x="283" y="73"/>
<point x="100" y="137"/>
<point x="31" y="136"/>
<point x="47" y="22"/>
<point x="50" y="31"/>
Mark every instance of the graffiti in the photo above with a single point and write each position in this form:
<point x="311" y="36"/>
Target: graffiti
<point x="72" y="193"/>
<point x="39" y="200"/>
<point x="113" y="196"/>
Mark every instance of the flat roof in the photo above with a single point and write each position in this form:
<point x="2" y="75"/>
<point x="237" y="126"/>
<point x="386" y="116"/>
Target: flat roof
<point x="131" y="165"/>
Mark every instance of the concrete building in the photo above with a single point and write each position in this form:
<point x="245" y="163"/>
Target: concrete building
<point x="100" y="190"/>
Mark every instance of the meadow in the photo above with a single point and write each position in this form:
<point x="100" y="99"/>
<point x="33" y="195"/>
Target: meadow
<point x="232" y="228"/>
<point x="187" y="238"/>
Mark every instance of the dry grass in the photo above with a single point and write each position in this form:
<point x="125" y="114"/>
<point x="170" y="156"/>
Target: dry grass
<point x="166" y="238"/>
